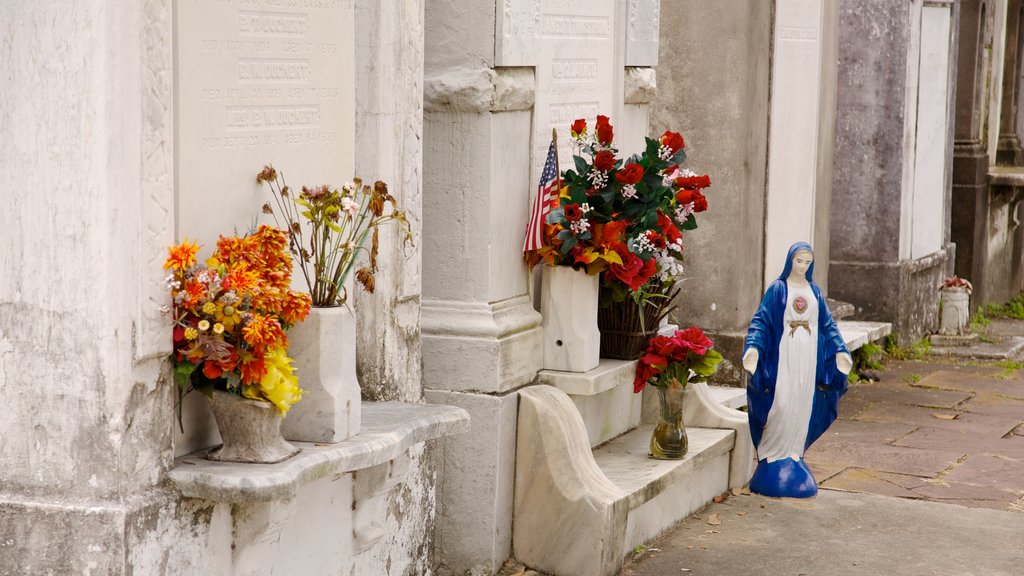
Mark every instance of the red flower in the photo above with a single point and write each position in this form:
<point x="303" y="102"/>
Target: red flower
<point x="578" y="127"/>
<point x="605" y="160"/>
<point x="630" y="174"/>
<point x="605" y="133"/>
<point x="644" y="372"/>
<point x="628" y="270"/>
<point x="668" y="228"/>
<point x="573" y="212"/>
<point x="693" y="339"/>
<point x="700" y="203"/>
<point x="673" y="140"/>
<point x="656" y="239"/>
<point x="693" y="182"/>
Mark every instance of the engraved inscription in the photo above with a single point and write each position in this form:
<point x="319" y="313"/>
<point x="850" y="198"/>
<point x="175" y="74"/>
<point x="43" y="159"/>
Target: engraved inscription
<point x="575" y="26"/>
<point x="561" y="115"/>
<point x="273" y="24"/>
<point x="574" y="69"/>
<point x="257" y="117"/>
<point x="273" y="70"/>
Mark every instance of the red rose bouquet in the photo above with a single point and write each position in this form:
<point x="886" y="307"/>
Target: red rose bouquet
<point x="674" y="361"/>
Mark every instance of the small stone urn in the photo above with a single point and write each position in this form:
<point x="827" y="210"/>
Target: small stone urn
<point x="250" y="430"/>
<point x="954" y="313"/>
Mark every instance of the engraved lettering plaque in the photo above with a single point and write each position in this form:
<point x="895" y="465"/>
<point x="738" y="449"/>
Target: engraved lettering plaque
<point x="257" y="82"/>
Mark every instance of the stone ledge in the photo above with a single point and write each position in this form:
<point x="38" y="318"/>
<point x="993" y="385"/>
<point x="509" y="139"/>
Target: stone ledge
<point x="388" y="430"/>
<point x="608" y="374"/>
<point x="1006" y="176"/>
<point x="729" y="396"/>
<point x="857" y="333"/>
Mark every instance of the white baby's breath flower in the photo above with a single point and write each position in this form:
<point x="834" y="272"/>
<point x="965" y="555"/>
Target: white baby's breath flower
<point x="628" y="191"/>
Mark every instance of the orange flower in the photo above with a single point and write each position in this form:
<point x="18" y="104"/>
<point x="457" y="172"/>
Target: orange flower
<point x="296" y="307"/>
<point x="240" y="278"/>
<point x="181" y="256"/>
<point x="262" y="331"/>
<point x="253" y="368"/>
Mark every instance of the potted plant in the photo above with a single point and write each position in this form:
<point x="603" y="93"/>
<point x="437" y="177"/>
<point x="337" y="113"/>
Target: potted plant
<point x="329" y="231"/>
<point x="230" y="315"/>
<point x="954" y="306"/>
<point x="669" y="364"/>
<point x="650" y="199"/>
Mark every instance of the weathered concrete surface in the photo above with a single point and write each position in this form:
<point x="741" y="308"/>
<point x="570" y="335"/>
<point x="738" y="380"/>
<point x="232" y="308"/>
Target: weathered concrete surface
<point x="838" y="534"/>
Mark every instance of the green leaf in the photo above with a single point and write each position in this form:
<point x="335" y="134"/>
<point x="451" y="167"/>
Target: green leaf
<point x="690" y="224"/>
<point x="183" y="374"/>
<point x="581" y="164"/>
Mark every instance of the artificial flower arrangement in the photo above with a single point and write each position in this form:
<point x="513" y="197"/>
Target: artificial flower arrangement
<point x="674" y="361"/>
<point x="230" y="316"/>
<point x="340" y="222"/>
<point x="957" y="282"/>
<point x="623" y="217"/>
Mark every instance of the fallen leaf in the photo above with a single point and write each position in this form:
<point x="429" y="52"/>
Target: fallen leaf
<point x="763" y="506"/>
<point x="719" y="499"/>
<point x="741" y="513"/>
<point x="713" y="519"/>
<point x="736" y="491"/>
<point x="703" y="546"/>
<point x="712" y="532"/>
<point x="942" y="416"/>
<point x="685" y="570"/>
<point x="745" y="491"/>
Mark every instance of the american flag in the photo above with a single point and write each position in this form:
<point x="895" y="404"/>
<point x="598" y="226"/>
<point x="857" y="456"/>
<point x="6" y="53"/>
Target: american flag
<point x="547" y="193"/>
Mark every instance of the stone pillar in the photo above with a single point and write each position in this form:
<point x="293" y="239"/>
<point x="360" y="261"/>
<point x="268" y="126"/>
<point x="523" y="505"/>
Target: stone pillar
<point x="719" y="102"/>
<point x="890" y="215"/>
<point x="86" y="431"/>
<point x="1009" y="147"/>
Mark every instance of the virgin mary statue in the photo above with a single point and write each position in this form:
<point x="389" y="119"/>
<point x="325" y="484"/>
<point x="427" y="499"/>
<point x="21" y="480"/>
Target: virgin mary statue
<point x="798" y="365"/>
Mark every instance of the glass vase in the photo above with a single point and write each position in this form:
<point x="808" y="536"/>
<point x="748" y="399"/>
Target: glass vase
<point x="668" y="442"/>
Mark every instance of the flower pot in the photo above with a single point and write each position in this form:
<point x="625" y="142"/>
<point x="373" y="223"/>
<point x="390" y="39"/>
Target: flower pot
<point x="568" y="306"/>
<point x="625" y="331"/>
<point x="323" y="347"/>
<point x="250" y="431"/>
<point x="668" y="441"/>
<point x="955" y="306"/>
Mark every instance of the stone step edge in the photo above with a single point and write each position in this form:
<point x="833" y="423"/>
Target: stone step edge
<point x="626" y="463"/>
<point x="857" y="333"/>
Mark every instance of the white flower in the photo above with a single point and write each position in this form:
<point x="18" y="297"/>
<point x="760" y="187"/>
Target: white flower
<point x="665" y="153"/>
<point x="580" y="226"/>
<point x="585" y="208"/>
<point x="683" y="212"/>
<point x="350" y="206"/>
<point x="598" y="179"/>
<point x="628" y="191"/>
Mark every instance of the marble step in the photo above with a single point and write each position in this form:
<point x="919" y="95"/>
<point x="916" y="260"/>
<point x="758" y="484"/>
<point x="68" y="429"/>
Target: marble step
<point x="857" y="333"/>
<point x="580" y="511"/>
<point x="729" y="396"/>
<point x="660" y="493"/>
<point x="604" y="397"/>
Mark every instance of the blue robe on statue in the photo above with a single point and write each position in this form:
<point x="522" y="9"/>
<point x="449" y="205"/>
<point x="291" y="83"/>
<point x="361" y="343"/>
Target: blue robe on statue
<point x="765" y="334"/>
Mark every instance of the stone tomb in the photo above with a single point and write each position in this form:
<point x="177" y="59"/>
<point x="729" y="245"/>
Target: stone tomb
<point x="256" y="84"/>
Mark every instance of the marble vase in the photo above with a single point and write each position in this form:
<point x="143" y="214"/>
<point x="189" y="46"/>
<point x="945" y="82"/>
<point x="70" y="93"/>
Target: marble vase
<point x="250" y="431"/>
<point x="954" y="302"/>
<point x="323" y="347"/>
<point x="568" y="307"/>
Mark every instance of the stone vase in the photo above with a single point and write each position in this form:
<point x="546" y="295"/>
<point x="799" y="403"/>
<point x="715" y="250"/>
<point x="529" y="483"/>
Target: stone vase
<point x="955" y="303"/>
<point x="668" y="441"/>
<point x="323" y="347"/>
<point x="250" y="431"/>
<point x="568" y="306"/>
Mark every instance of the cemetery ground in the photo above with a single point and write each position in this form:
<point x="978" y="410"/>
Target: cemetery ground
<point x="922" y="473"/>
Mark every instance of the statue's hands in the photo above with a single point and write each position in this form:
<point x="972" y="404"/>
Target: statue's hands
<point x="750" y="360"/>
<point x="844" y="363"/>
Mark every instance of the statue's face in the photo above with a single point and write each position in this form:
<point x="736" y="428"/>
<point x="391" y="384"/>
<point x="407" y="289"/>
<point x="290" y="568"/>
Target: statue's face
<point x="801" y="262"/>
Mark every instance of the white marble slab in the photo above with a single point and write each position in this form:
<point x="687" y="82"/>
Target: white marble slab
<point x="642" y="28"/>
<point x="608" y="374"/>
<point x="255" y="83"/>
<point x="388" y="430"/>
<point x="933" y="95"/>
<point x="857" y="333"/>
<point x="729" y="396"/>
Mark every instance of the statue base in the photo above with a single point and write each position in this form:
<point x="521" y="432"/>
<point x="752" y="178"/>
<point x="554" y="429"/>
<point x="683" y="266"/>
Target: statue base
<point x="786" y="478"/>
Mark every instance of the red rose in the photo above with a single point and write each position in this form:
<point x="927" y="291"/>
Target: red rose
<point x="700" y="203"/>
<point x="656" y="239"/>
<point x="644" y="372"/>
<point x="631" y="264"/>
<point x="686" y="196"/>
<point x="604" y="161"/>
<point x="693" y="182"/>
<point x="604" y="131"/>
<point x="668" y="228"/>
<point x="578" y="127"/>
<point x="630" y="174"/>
<point x="673" y="140"/>
<point x="694" y="339"/>
<point x="649" y="269"/>
<point x="573" y="212"/>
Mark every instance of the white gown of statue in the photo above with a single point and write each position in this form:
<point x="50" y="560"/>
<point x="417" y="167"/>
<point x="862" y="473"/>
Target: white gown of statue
<point x="785" y="431"/>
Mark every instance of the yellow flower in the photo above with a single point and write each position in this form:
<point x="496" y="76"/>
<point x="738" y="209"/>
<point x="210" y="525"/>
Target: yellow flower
<point x="209" y="308"/>
<point x="204" y="325"/>
<point x="229" y="316"/>
<point x="191" y="333"/>
<point x="182" y="256"/>
<point x="279" y="386"/>
<point x="218" y="328"/>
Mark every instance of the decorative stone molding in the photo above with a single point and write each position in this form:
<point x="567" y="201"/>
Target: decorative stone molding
<point x="369" y="490"/>
<point x="514" y="89"/>
<point x="480" y="90"/>
<point x="641" y="85"/>
<point x="701" y="409"/>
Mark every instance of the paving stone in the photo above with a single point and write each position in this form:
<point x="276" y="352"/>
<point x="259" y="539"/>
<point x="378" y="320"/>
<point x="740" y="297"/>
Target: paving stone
<point x="905" y="394"/>
<point x="912" y="415"/>
<point x="996" y="470"/>
<point x="947" y="490"/>
<point x="866" y="431"/>
<point x="897" y="459"/>
<point x="1005" y="347"/>
<point x="992" y="404"/>
<point x="975" y="382"/>
<point x="968" y="432"/>
<point x="1005" y="327"/>
<point x="823" y="472"/>
<point x="874" y="482"/>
